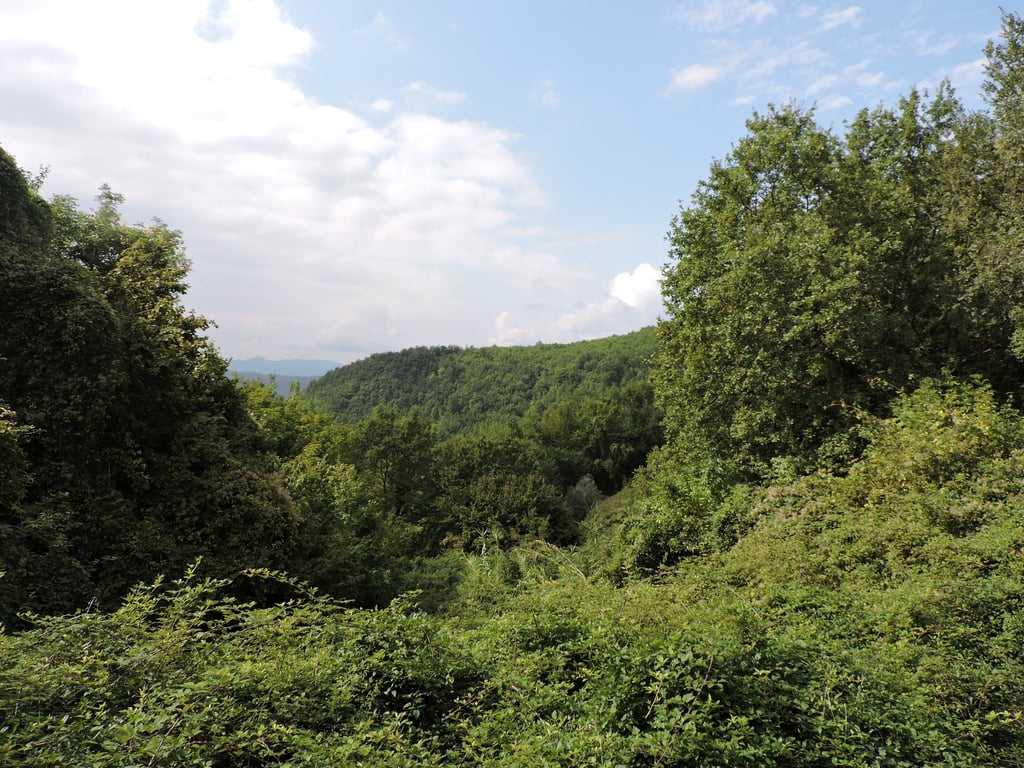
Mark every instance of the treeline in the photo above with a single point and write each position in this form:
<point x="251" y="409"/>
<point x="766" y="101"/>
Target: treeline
<point x="822" y="565"/>
<point x="459" y="389"/>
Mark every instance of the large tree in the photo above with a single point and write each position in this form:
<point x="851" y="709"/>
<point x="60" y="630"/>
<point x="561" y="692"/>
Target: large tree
<point x="816" y="276"/>
<point x="138" y="452"/>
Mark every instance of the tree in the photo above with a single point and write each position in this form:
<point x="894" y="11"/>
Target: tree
<point x="816" y="277"/>
<point x="395" y="452"/>
<point x="499" y="486"/>
<point x="1001" y="271"/>
<point x="139" y="454"/>
<point x="741" y="363"/>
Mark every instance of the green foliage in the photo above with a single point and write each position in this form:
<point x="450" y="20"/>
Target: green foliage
<point x="137" y="453"/>
<point x="498" y="487"/>
<point x="870" y="618"/>
<point x="606" y="436"/>
<point x="350" y="539"/>
<point x="396" y="452"/>
<point x="701" y="670"/>
<point x="192" y="676"/>
<point x="823" y="567"/>
<point x="816" y="277"/>
<point x="459" y="389"/>
<point x="24" y="216"/>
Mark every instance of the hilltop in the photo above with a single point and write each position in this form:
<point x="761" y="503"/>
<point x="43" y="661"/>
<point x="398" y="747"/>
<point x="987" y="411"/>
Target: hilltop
<point x="459" y="388"/>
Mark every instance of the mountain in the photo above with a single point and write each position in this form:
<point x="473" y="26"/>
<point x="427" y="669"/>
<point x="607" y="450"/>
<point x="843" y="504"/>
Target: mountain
<point x="459" y="388"/>
<point x="284" y="373"/>
<point x="294" y="367"/>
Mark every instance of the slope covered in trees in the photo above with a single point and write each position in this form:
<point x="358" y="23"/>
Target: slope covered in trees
<point x="823" y="566"/>
<point x="873" y="618"/>
<point x="462" y="388"/>
<point x="128" y="451"/>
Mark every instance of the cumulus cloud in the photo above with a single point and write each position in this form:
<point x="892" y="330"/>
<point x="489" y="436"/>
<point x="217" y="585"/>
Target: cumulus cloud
<point x="508" y="333"/>
<point x="639" y="288"/>
<point x="695" y="76"/>
<point x="633" y="300"/>
<point x="313" y="230"/>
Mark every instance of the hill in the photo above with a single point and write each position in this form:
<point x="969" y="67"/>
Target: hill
<point x="459" y="388"/>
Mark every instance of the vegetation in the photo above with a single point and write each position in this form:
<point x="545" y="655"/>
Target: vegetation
<point x="133" y="454"/>
<point x="460" y="389"/>
<point x="822" y="565"/>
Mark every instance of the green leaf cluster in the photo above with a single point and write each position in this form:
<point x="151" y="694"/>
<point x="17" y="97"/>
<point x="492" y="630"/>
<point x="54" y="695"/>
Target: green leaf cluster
<point x="127" y="452"/>
<point x="816" y="276"/>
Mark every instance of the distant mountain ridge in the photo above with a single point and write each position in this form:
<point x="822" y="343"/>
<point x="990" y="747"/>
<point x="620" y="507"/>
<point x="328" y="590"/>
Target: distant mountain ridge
<point x="293" y="367"/>
<point x="459" y="388"/>
<point x="282" y="383"/>
<point x="283" y="373"/>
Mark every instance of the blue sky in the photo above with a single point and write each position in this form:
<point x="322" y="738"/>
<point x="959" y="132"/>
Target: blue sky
<point x="354" y="177"/>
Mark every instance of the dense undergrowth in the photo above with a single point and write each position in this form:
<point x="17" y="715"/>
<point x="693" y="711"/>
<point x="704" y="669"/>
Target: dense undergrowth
<point x="870" y="618"/>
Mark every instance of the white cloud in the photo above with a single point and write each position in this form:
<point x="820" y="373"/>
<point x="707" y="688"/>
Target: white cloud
<point x="835" y="101"/>
<point x="695" y="76"/>
<point x="970" y="74"/>
<point x="639" y="288"/>
<point x="822" y="83"/>
<point x="835" y="19"/>
<point x="928" y="43"/>
<point x="802" y="53"/>
<point x="870" y="79"/>
<point x="507" y="333"/>
<point x="312" y="230"/>
<point x="632" y="301"/>
<point x="382" y="28"/>
<point x="434" y="94"/>
<point x="546" y="94"/>
<point x="720" y="14"/>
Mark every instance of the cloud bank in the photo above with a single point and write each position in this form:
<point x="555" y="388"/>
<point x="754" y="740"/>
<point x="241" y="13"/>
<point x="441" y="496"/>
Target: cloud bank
<point x="314" y="230"/>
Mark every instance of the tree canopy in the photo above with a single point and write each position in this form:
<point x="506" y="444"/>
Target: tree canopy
<point x="137" y="452"/>
<point x="460" y="389"/>
<point x="816" y="276"/>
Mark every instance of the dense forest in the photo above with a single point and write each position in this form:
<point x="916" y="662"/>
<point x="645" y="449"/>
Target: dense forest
<point x="794" y="537"/>
<point x="459" y="389"/>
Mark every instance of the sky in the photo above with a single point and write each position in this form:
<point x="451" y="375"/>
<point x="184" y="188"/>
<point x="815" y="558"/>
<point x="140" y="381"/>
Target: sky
<point x="358" y="177"/>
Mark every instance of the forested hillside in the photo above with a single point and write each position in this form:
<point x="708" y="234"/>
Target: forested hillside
<point x="459" y="388"/>
<point x="823" y="564"/>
